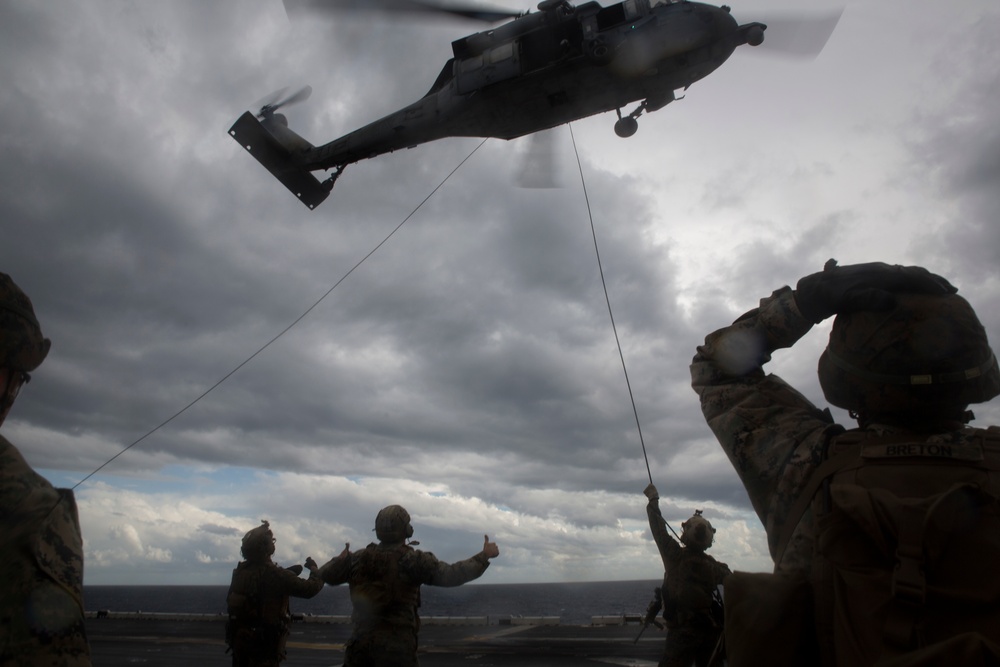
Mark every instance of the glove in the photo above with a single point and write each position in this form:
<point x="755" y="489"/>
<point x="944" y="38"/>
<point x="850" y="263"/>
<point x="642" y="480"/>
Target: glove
<point x="295" y="569"/>
<point x="845" y="289"/>
<point x="651" y="492"/>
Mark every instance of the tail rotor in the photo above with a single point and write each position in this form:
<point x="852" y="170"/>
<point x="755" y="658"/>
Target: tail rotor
<point x="276" y="100"/>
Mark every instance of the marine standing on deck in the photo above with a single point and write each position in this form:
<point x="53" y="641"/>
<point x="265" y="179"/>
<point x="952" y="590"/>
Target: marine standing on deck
<point x="888" y="533"/>
<point x="385" y="580"/>
<point x="258" y="601"/>
<point x="41" y="552"/>
<point x="691" y="580"/>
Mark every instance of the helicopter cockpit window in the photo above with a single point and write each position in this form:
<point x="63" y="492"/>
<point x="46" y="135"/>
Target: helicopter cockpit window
<point x="631" y="9"/>
<point x="470" y="64"/>
<point x="500" y="63"/>
<point x="501" y="53"/>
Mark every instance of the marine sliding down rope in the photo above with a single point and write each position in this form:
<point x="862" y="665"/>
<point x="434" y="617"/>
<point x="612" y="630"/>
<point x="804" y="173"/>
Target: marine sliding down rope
<point x="286" y="329"/>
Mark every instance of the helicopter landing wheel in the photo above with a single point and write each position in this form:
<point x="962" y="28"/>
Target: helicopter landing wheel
<point x="626" y="127"/>
<point x="755" y="36"/>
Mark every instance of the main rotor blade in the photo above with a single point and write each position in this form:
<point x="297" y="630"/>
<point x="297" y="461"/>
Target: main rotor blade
<point x="477" y="12"/>
<point x="800" y="35"/>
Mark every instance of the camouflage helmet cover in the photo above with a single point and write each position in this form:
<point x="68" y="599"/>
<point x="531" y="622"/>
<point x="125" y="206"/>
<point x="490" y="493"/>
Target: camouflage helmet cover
<point x="930" y="353"/>
<point x="258" y="543"/>
<point x="697" y="532"/>
<point x="22" y="346"/>
<point x="393" y="524"/>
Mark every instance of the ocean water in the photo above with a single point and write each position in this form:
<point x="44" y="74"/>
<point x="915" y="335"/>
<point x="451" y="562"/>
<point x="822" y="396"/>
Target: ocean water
<point x="573" y="603"/>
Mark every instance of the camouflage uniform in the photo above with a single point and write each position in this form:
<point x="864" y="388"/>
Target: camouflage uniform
<point x="41" y="554"/>
<point x="258" y="611"/>
<point x="906" y="357"/>
<point x="774" y="436"/>
<point x="690" y="578"/>
<point x="385" y="582"/>
<point x="41" y="570"/>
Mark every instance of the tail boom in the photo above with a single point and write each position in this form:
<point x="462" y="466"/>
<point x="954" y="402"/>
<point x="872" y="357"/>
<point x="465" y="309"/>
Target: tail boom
<point x="280" y="161"/>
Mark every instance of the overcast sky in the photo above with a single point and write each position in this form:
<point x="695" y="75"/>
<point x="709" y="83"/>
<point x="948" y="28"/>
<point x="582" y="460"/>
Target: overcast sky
<point x="468" y="369"/>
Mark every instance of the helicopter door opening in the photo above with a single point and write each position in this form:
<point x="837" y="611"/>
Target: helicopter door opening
<point x="497" y="64"/>
<point x="541" y="48"/>
<point x="616" y="15"/>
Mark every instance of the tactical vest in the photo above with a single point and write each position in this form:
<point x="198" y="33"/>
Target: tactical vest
<point x="690" y="589"/>
<point x="907" y="537"/>
<point x="382" y="595"/>
<point x="258" y="612"/>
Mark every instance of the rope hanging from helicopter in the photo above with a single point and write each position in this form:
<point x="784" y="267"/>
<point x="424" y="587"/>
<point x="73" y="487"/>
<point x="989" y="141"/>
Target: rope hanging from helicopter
<point x="607" y="300"/>
<point x="716" y="595"/>
<point x="611" y="315"/>
<point x="289" y="327"/>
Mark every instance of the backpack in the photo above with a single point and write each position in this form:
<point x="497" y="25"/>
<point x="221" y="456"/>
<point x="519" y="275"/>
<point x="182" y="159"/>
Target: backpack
<point x="907" y="534"/>
<point x="257" y="622"/>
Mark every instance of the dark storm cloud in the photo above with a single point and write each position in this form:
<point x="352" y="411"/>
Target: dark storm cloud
<point x="152" y="298"/>
<point x="472" y="355"/>
<point x="957" y="153"/>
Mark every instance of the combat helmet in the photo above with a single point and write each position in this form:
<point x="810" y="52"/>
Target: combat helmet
<point x="22" y="346"/>
<point x="928" y="355"/>
<point x="258" y="544"/>
<point x="393" y="524"/>
<point x="697" y="532"/>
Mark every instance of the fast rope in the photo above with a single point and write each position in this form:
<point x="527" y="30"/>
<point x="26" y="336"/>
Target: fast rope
<point x="607" y="299"/>
<point x="614" y="328"/>
<point x="289" y="327"/>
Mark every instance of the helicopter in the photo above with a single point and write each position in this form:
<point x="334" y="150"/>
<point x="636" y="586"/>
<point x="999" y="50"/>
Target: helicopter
<point x="534" y="72"/>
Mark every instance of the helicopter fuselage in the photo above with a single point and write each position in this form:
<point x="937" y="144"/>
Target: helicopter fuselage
<point x="503" y="92"/>
<point x="536" y="72"/>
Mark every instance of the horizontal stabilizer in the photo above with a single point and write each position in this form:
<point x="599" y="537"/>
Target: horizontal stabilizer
<point x="277" y="159"/>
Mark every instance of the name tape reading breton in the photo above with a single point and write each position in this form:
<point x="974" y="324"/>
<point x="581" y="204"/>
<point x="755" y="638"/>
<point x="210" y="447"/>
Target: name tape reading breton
<point x="924" y="449"/>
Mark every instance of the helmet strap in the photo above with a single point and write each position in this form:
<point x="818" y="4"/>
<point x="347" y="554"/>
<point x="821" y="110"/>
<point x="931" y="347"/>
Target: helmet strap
<point x="6" y="402"/>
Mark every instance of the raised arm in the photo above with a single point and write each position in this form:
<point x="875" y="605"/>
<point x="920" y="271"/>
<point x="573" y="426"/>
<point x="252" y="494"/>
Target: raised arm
<point x="440" y="573"/>
<point x="296" y="586"/>
<point x="337" y="570"/>
<point x="774" y="436"/>
<point x="666" y="544"/>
